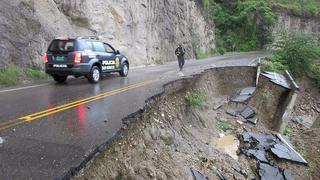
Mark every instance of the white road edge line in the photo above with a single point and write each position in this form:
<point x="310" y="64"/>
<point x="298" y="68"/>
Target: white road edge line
<point x="22" y="88"/>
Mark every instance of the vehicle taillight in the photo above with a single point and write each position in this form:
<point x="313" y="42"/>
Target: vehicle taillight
<point x="45" y="58"/>
<point x="77" y="57"/>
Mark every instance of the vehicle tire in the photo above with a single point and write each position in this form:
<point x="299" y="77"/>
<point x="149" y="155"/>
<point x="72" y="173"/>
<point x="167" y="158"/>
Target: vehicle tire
<point x="95" y="75"/>
<point x="124" y="70"/>
<point x="60" y="79"/>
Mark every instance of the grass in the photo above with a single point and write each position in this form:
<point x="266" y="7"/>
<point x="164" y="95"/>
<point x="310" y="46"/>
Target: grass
<point x="288" y="131"/>
<point x="195" y="99"/>
<point x="9" y="76"/>
<point x="35" y="74"/>
<point x="206" y="54"/>
<point x="13" y="75"/>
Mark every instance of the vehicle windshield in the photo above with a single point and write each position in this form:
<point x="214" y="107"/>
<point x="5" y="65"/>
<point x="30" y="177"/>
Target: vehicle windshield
<point x="62" y="46"/>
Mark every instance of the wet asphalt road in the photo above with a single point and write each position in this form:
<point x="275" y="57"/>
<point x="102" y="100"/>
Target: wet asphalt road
<point x="47" y="144"/>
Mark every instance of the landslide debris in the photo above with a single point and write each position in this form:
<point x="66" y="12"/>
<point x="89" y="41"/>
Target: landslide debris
<point x="173" y="140"/>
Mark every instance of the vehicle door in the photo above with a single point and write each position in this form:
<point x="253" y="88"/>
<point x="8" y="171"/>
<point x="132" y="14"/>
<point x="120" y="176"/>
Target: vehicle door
<point x="113" y="61"/>
<point x="113" y="57"/>
<point x="101" y="53"/>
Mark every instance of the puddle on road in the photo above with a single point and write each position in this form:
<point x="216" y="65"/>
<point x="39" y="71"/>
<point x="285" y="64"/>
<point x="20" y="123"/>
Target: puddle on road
<point x="229" y="145"/>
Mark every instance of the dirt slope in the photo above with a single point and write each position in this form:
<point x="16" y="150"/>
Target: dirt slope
<point x="171" y="137"/>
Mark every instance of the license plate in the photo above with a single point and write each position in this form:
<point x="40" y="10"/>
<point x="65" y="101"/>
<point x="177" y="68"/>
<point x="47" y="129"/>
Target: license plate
<point x="60" y="58"/>
<point x="60" y="66"/>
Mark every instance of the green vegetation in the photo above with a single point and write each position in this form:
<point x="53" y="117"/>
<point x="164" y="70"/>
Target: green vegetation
<point x="297" y="52"/>
<point x="212" y="52"/>
<point x="246" y="25"/>
<point x="195" y="99"/>
<point x="12" y="75"/>
<point x="202" y="55"/>
<point x="288" y="131"/>
<point x="241" y="25"/>
<point x="299" y="7"/>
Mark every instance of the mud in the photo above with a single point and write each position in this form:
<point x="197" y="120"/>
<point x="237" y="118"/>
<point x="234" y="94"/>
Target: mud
<point x="169" y="138"/>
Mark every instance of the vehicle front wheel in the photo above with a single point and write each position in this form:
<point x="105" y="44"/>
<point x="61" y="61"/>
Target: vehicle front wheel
<point x="124" y="70"/>
<point x="60" y="79"/>
<point x="95" y="75"/>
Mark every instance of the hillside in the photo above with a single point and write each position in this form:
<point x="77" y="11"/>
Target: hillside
<point x="146" y="31"/>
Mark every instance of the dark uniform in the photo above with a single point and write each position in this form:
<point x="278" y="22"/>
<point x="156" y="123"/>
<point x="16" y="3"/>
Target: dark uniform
<point x="180" y="51"/>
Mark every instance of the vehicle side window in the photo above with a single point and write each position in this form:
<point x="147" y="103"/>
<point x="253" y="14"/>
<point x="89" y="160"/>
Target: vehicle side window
<point x="98" y="46"/>
<point x="86" y="45"/>
<point x="108" y="48"/>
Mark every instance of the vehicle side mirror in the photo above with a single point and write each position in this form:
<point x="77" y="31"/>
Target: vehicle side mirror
<point x="117" y="52"/>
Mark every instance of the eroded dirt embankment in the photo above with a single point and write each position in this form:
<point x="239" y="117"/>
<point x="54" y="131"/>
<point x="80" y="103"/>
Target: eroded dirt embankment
<point x="170" y="137"/>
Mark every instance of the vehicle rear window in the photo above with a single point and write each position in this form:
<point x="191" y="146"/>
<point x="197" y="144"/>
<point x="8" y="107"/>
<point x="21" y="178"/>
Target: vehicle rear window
<point x="62" y="46"/>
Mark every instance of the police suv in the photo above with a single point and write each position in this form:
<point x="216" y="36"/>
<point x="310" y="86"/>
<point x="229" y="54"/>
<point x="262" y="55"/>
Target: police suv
<point x="83" y="56"/>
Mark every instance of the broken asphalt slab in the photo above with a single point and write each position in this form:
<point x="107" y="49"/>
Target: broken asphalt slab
<point x="248" y="91"/>
<point x="253" y="120"/>
<point x="244" y="95"/>
<point x="264" y="148"/>
<point x="232" y="112"/>
<point x="247" y="112"/>
<point x="240" y="98"/>
<point x="286" y="151"/>
<point x="197" y="175"/>
<point x="258" y="154"/>
<point x="268" y="172"/>
<point x="277" y="78"/>
<point x="279" y="146"/>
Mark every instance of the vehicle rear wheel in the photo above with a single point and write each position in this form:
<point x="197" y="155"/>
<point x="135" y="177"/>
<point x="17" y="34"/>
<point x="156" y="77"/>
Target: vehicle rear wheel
<point x="60" y="79"/>
<point x="95" y="75"/>
<point x="124" y="70"/>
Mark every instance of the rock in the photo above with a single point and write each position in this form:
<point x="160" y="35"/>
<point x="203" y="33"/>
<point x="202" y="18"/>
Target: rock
<point x="317" y="107"/>
<point x="305" y="121"/>
<point x="217" y="106"/>
<point x="145" y="33"/>
<point x="154" y="133"/>
<point x="167" y="138"/>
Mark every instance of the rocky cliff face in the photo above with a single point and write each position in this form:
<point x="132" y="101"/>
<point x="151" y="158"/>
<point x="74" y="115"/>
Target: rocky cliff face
<point x="147" y="31"/>
<point x="288" y="20"/>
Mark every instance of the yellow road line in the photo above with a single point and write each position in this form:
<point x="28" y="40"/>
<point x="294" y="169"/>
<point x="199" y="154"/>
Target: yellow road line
<point x="79" y="101"/>
<point x="48" y="112"/>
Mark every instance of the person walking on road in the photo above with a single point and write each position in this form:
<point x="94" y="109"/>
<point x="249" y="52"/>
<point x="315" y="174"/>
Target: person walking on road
<point x="180" y="51"/>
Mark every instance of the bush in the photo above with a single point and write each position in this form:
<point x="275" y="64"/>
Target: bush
<point x="35" y="74"/>
<point x="288" y="131"/>
<point x="202" y="55"/>
<point x="12" y="75"/>
<point x="297" y="51"/>
<point x="9" y="76"/>
<point x="241" y="25"/>
<point x="275" y="66"/>
<point x="221" y="50"/>
<point x="195" y="99"/>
